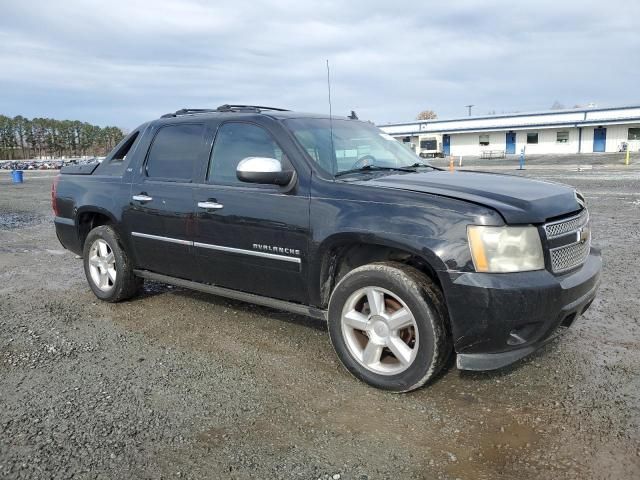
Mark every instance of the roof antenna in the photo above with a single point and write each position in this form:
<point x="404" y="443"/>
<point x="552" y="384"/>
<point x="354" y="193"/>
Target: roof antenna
<point x="333" y="150"/>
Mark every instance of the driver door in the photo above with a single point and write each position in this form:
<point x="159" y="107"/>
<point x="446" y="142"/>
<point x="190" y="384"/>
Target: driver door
<point x="255" y="237"/>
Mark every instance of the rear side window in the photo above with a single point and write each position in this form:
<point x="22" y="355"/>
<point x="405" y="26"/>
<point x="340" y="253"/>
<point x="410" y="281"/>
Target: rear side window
<point x="174" y="152"/>
<point x="236" y="141"/>
<point x="123" y="151"/>
<point x="120" y="159"/>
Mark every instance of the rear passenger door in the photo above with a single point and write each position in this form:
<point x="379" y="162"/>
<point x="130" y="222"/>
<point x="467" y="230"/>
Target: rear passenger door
<point x="256" y="239"/>
<point x="160" y="218"/>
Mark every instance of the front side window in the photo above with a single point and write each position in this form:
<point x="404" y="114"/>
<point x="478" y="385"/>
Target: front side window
<point x="634" y="134"/>
<point x="340" y="145"/>
<point x="483" y="140"/>
<point x="532" y="138"/>
<point x="236" y="141"/>
<point x="174" y="152"/>
<point x="562" y="137"/>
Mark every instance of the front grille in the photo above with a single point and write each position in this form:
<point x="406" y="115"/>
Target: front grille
<point x="575" y="249"/>
<point x="567" y="225"/>
<point x="569" y="256"/>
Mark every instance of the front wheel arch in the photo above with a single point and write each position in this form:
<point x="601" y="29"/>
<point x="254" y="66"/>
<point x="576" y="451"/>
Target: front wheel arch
<point x="344" y="253"/>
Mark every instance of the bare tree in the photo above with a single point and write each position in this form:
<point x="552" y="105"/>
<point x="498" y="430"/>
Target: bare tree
<point x="427" y="115"/>
<point x="557" y="106"/>
<point x="21" y="137"/>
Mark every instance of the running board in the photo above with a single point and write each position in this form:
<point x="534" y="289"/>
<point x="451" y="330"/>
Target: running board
<point x="236" y="295"/>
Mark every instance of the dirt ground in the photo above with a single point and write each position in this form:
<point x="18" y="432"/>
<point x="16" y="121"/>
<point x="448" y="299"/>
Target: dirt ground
<point x="177" y="384"/>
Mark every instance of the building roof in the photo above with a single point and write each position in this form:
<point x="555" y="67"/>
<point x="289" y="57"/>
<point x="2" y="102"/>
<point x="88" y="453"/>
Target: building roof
<point x="520" y="121"/>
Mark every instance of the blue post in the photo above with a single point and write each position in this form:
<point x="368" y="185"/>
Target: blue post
<point x="521" y="159"/>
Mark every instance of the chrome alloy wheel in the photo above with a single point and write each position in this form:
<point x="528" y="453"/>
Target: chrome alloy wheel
<point x="380" y="331"/>
<point x="102" y="265"/>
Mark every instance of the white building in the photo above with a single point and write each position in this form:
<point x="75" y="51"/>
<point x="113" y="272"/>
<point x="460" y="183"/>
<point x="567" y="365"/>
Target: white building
<point x="584" y="130"/>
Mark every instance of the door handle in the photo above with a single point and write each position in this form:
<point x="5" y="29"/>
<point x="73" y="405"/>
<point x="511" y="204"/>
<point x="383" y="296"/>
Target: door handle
<point x="210" y="205"/>
<point x="142" y="198"/>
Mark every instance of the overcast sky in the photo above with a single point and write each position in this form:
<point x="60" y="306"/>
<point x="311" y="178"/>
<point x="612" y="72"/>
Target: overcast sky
<point x="123" y="62"/>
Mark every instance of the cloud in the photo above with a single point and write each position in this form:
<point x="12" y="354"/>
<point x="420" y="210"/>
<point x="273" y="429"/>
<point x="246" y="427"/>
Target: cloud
<point x="124" y="62"/>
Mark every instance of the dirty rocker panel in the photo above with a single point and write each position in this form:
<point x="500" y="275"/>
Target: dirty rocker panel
<point x="236" y="295"/>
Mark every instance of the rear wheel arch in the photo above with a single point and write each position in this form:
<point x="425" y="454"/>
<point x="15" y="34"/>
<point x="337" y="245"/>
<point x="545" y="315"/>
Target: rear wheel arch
<point x="89" y="218"/>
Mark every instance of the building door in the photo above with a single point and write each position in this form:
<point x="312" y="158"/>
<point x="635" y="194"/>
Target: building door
<point x="446" y="145"/>
<point x="599" y="139"/>
<point x="511" y="143"/>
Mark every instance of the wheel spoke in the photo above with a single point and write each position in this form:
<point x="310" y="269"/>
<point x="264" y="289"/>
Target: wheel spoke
<point x="400" y="319"/>
<point x="94" y="261"/>
<point x="400" y="349"/>
<point x="111" y="273"/>
<point x="375" y="298"/>
<point x="103" y="249"/>
<point x="371" y="353"/>
<point x="104" y="280"/>
<point x="110" y="259"/>
<point x="356" y="320"/>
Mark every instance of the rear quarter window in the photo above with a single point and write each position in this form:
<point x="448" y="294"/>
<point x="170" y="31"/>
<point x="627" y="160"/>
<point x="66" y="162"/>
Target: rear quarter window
<point x="116" y="164"/>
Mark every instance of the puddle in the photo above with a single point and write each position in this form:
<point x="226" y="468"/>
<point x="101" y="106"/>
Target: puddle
<point x="152" y="288"/>
<point x="12" y="220"/>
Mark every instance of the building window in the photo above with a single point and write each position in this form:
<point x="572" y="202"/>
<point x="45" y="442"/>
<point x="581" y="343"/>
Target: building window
<point x="484" y="140"/>
<point x="634" y="134"/>
<point x="562" y="137"/>
<point x="406" y="139"/>
<point x="532" y="138"/>
<point x="429" y="144"/>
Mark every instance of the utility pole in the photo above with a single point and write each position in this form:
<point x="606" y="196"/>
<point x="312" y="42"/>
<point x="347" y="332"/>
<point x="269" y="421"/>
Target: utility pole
<point x="469" y="107"/>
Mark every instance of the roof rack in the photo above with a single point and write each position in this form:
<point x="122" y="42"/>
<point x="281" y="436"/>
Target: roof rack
<point x="223" y="108"/>
<point x="254" y="108"/>
<point x="188" y="111"/>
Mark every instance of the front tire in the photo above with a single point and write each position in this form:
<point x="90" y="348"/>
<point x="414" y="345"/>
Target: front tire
<point x="107" y="266"/>
<point x="388" y="326"/>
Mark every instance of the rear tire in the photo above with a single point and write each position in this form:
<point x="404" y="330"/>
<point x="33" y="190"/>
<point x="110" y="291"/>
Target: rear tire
<point x="388" y="326"/>
<point x="107" y="266"/>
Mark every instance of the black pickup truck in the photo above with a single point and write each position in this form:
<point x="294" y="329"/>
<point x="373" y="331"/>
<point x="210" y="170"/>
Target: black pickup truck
<point x="332" y="218"/>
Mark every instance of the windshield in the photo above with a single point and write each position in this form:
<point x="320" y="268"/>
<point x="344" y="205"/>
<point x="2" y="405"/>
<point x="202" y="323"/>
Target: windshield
<point x="354" y="145"/>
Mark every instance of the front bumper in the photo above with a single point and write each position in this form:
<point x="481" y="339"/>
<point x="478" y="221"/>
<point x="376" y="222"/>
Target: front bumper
<point x="497" y="319"/>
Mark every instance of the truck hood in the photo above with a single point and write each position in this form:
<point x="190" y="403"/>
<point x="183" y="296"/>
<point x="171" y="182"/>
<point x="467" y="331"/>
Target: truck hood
<point x="517" y="199"/>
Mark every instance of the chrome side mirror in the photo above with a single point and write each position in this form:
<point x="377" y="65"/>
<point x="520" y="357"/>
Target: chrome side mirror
<point x="263" y="170"/>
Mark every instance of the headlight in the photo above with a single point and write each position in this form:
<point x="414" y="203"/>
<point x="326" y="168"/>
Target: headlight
<point x="505" y="249"/>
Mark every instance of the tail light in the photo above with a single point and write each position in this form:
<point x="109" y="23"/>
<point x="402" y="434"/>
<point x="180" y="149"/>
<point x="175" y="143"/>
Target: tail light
<point x="54" y="202"/>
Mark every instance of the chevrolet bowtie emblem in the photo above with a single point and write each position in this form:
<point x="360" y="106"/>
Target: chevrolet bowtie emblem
<point x="582" y="235"/>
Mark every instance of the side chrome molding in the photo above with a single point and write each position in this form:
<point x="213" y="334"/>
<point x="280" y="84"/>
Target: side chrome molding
<point x="248" y="252"/>
<point x="220" y="248"/>
<point x="163" y="239"/>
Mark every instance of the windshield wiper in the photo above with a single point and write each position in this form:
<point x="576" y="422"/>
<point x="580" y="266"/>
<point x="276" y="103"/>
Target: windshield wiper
<point x="421" y="165"/>
<point x="373" y="168"/>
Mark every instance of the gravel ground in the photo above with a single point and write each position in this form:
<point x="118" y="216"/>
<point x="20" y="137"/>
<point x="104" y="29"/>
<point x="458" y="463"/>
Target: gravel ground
<point x="177" y="384"/>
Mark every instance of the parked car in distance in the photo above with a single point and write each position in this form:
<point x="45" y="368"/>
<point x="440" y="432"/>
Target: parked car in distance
<point x="330" y="217"/>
